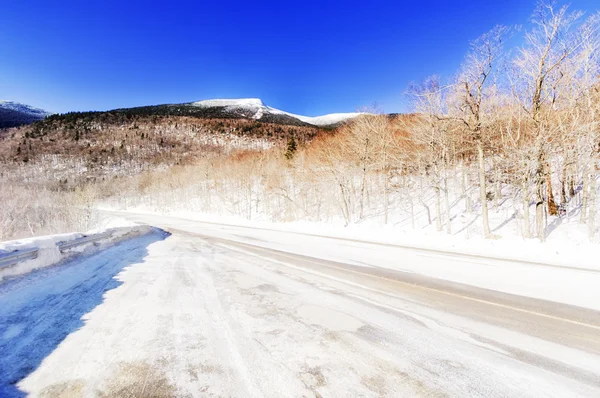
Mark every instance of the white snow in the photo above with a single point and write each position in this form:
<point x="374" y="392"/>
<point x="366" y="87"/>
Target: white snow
<point x="259" y="109"/>
<point x="571" y="279"/>
<point x="325" y="120"/>
<point x="185" y="317"/>
<point x="244" y="102"/>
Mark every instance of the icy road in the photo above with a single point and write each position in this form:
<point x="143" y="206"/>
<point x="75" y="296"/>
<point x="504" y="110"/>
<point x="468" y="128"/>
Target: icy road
<point x="216" y="310"/>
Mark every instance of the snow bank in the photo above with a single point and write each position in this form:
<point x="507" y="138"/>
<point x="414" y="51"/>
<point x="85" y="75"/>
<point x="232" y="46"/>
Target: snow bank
<point x="573" y="253"/>
<point x="48" y="247"/>
<point x="573" y="284"/>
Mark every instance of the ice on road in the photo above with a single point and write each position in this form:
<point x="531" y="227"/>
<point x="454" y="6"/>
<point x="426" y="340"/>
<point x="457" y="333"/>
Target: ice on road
<point x="194" y="316"/>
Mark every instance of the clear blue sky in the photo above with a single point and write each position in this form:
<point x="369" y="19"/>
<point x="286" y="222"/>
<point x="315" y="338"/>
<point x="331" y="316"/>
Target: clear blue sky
<point x="307" y="57"/>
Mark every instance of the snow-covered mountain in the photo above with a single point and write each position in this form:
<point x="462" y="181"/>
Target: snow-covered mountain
<point x="255" y="108"/>
<point x="23" y="108"/>
<point x="16" y="114"/>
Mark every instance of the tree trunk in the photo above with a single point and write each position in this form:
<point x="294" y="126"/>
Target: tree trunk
<point x="483" y="192"/>
<point x="367" y="194"/>
<point x="344" y="202"/>
<point x="410" y="202"/>
<point x="386" y="199"/>
<point x="539" y="216"/>
<point x="362" y="194"/>
<point x="592" y="208"/>
<point x="412" y="212"/>
<point x="438" y="208"/>
<point x="464" y="186"/>
<point x="564" y="189"/>
<point x="526" y="217"/>
<point x="552" y="207"/>
<point x="584" y="195"/>
<point x="539" y="205"/>
<point x="575" y="180"/>
<point x="447" y="205"/>
<point x="428" y="212"/>
<point x="572" y="177"/>
<point x="498" y="192"/>
<point x="540" y="199"/>
<point x="423" y="202"/>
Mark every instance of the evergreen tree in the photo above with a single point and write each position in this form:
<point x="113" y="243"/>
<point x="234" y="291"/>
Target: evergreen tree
<point x="291" y="148"/>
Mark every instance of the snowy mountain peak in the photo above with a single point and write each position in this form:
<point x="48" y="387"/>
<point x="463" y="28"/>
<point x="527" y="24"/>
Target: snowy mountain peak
<point x="18" y="107"/>
<point x="257" y="109"/>
<point x="14" y="114"/>
<point x="243" y="102"/>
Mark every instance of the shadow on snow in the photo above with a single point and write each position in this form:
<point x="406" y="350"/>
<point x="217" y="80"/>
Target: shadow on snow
<point x="39" y="310"/>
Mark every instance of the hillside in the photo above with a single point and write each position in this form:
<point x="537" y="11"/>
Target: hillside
<point x="13" y="114"/>
<point x="90" y="145"/>
<point x="125" y="141"/>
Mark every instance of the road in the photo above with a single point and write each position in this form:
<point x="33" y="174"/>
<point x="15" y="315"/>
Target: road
<point x="218" y="311"/>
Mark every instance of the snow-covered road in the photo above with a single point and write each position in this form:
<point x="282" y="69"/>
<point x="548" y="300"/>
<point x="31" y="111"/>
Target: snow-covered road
<point x="223" y="311"/>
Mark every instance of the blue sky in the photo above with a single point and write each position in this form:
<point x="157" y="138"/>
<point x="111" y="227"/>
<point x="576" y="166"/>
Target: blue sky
<point x="309" y="57"/>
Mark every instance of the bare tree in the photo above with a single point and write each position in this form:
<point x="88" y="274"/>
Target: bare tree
<point x="434" y="136"/>
<point x="584" y="74"/>
<point x="372" y="138"/>
<point x="471" y="92"/>
<point x="534" y="84"/>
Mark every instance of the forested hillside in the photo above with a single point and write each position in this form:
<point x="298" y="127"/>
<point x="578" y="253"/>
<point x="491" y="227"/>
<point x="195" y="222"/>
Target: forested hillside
<point x="108" y="144"/>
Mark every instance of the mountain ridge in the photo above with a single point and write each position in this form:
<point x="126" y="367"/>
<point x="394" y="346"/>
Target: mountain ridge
<point x="13" y="114"/>
<point x="241" y="108"/>
<point x="256" y="104"/>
